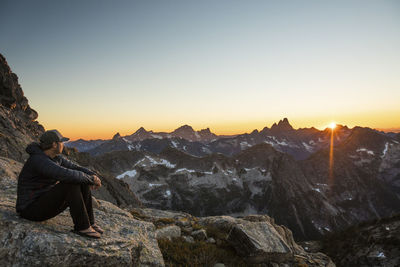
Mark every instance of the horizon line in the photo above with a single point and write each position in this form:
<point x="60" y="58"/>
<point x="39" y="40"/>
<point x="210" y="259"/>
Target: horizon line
<point x="386" y="130"/>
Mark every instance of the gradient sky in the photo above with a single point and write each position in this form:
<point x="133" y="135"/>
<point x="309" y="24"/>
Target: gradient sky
<point x="92" y="68"/>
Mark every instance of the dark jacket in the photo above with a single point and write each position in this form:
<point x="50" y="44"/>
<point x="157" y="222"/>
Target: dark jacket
<point x="40" y="173"/>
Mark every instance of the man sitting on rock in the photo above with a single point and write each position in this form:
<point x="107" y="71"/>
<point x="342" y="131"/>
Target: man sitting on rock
<point x="49" y="183"/>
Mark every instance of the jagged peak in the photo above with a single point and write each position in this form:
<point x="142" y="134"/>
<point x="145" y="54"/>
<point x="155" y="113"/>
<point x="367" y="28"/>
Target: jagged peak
<point x="184" y="128"/>
<point x="116" y="136"/>
<point x="283" y="125"/>
<point x="255" y="131"/>
<point x="207" y="130"/>
<point x="141" y="130"/>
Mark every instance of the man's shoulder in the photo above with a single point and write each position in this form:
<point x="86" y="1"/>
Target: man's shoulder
<point x="38" y="158"/>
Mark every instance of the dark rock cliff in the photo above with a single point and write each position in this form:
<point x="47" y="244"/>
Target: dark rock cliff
<point x="18" y="125"/>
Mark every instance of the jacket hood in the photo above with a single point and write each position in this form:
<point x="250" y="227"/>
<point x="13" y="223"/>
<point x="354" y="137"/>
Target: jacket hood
<point x="34" y="148"/>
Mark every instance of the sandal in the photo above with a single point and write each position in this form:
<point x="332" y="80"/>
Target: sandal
<point x="91" y="234"/>
<point x="97" y="228"/>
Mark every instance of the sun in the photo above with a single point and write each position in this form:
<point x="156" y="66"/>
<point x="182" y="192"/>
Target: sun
<point x="332" y="125"/>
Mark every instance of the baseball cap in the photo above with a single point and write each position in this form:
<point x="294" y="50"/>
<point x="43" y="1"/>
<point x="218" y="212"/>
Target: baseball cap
<point x="52" y="136"/>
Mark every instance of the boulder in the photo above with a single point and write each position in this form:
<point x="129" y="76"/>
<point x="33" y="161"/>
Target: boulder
<point x="210" y="240"/>
<point x="188" y="239"/>
<point x="200" y="235"/>
<point x="168" y="232"/>
<point x="259" y="240"/>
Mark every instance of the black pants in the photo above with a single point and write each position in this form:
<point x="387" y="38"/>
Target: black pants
<point x="75" y="196"/>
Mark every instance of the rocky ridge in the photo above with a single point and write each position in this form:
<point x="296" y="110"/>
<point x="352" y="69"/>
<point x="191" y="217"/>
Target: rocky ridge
<point x="18" y="125"/>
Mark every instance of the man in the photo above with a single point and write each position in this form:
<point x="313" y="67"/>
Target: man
<point x="49" y="183"/>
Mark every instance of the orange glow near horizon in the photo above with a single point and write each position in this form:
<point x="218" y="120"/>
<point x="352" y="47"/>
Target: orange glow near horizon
<point x="104" y="127"/>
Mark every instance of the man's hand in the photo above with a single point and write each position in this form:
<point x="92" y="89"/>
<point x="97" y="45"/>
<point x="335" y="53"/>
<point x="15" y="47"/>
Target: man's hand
<point x="97" y="182"/>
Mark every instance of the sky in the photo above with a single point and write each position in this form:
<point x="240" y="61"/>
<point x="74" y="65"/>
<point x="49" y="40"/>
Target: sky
<point x="94" y="68"/>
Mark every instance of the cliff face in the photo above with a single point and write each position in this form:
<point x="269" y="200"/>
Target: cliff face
<point x="18" y="125"/>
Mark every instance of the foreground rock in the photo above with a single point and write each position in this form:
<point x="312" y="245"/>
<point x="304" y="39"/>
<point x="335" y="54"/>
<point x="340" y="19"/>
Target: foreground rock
<point x="126" y="241"/>
<point x="252" y="240"/>
<point x="259" y="240"/>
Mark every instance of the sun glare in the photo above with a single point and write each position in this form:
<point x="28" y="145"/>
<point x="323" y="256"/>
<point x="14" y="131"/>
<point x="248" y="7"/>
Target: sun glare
<point x="332" y="125"/>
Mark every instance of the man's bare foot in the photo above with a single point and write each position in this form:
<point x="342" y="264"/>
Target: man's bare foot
<point x="97" y="229"/>
<point x="89" y="232"/>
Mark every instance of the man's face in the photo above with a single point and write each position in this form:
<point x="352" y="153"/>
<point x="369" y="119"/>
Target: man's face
<point x="59" y="147"/>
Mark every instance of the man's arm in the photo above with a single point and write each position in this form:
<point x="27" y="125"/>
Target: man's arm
<point x="48" y="168"/>
<point x="71" y="165"/>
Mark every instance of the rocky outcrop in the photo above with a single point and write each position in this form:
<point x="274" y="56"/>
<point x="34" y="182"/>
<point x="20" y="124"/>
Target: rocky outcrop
<point x="256" y="239"/>
<point x="126" y="241"/>
<point x="17" y="120"/>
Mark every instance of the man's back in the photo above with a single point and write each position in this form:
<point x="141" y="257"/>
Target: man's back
<point x="40" y="173"/>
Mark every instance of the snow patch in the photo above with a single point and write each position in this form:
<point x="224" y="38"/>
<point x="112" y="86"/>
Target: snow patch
<point x="385" y="149"/>
<point x="167" y="193"/>
<point x="151" y="185"/>
<point x="381" y="255"/>
<point x="174" y="143"/>
<point x="156" y="136"/>
<point x="244" y="145"/>
<point x="185" y="170"/>
<point x="126" y="140"/>
<point x="164" y="162"/>
<point x="370" y="152"/>
<point x="308" y="147"/>
<point x="130" y="173"/>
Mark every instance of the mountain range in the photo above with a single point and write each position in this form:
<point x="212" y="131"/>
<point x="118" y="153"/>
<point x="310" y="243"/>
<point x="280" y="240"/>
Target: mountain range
<point x="299" y="143"/>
